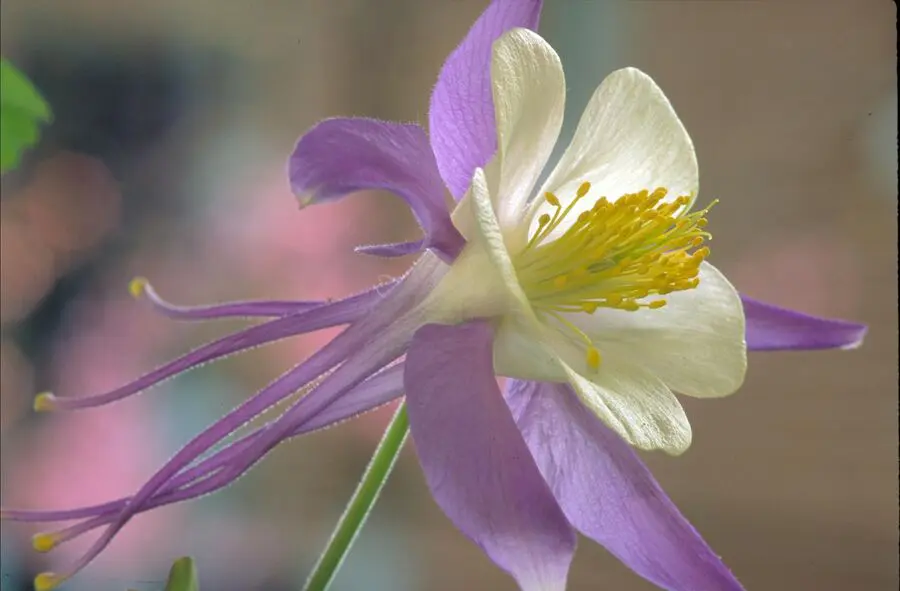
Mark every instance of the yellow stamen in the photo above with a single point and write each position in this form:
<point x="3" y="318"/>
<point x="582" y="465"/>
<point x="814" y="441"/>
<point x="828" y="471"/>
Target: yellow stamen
<point x="44" y="542"/>
<point x="615" y="254"/>
<point x="589" y="307"/>
<point x="593" y="357"/>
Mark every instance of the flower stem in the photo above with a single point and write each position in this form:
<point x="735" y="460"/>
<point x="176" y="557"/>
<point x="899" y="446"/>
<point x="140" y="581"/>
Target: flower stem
<point x="361" y="503"/>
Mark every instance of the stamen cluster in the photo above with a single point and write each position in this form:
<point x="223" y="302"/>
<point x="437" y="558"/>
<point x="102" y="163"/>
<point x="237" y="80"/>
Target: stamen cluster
<point x="615" y="255"/>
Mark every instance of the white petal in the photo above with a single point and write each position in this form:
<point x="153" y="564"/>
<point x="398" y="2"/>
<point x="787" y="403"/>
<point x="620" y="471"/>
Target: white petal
<point x="636" y="405"/>
<point x="525" y="349"/>
<point x="529" y="90"/>
<point x="626" y="396"/>
<point x="695" y="344"/>
<point x="623" y="393"/>
<point x="629" y="138"/>
<point x="481" y="282"/>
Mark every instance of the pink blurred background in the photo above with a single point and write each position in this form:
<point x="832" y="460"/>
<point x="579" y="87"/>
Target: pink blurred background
<point x="174" y="120"/>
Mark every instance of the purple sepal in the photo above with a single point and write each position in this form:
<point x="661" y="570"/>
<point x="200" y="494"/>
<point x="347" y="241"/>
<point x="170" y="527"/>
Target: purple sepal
<point x="608" y="494"/>
<point x="461" y="115"/>
<point x="341" y="156"/>
<point x="770" y="328"/>
<point x="474" y="459"/>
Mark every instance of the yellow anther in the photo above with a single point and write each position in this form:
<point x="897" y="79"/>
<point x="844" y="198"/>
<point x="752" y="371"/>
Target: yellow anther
<point x="44" y="542"/>
<point x="593" y="357"/>
<point x="44" y="402"/>
<point x="137" y="286"/>
<point x="48" y="581"/>
<point x="616" y="254"/>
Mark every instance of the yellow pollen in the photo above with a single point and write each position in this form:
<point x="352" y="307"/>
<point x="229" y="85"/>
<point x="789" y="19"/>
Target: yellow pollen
<point x="613" y="254"/>
<point x="44" y="402"/>
<point x="48" y="581"/>
<point x="44" y="542"/>
<point x="593" y="357"/>
<point x="137" y="286"/>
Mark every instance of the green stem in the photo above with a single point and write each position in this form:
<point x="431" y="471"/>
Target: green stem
<point x="361" y="503"/>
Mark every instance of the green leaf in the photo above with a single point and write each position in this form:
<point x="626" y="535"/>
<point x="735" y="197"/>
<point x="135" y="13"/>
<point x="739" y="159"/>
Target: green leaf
<point x="22" y="110"/>
<point x="183" y="576"/>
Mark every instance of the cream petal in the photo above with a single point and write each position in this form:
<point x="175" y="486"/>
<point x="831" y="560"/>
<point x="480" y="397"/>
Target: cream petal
<point x="627" y="397"/>
<point x="629" y="138"/>
<point x="481" y="282"/>
<point x="635" y="404"/>
<point x="528" y="350"/>
<point x="529" y="91"/>
<point x="475" y="285"/>
<point x="695" y="344"/>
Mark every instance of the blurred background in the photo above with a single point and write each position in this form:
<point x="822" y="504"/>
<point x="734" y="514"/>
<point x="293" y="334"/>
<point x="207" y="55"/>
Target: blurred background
<point x="167" y="159"/>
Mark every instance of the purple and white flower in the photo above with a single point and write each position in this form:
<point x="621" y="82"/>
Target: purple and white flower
<point x="591" y="293"/>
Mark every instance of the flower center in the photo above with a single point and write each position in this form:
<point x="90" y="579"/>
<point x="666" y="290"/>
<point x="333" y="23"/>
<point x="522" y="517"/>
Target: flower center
<point x="623" y="254"/>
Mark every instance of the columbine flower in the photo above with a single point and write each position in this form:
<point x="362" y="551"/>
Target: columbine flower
<point x="592" y="293"/>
